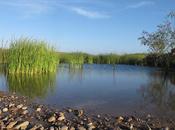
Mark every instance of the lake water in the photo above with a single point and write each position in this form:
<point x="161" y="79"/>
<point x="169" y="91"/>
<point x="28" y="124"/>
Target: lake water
<point x="119" y="89"/>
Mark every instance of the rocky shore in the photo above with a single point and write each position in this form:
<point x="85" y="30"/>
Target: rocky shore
<point x="20" y="113"/>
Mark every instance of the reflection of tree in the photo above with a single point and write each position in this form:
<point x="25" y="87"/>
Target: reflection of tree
<point x="160" y="90"/>
<point x="31" y="85"/>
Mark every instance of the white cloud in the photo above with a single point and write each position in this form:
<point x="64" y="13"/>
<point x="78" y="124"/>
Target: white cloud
<point x="29" y="8"/>
<point x="140" y="4"/>
<point x="88" y="13"/>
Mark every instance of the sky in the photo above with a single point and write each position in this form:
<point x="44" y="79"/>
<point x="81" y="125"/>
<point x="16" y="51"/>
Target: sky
<point x="92" y="26"/>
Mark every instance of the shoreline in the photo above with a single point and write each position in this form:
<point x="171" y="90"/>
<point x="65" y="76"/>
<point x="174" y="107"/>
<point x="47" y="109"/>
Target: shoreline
<point x="18" y="112"/>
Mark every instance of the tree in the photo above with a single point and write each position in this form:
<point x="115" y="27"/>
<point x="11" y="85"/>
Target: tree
<point x="162" y="41"/>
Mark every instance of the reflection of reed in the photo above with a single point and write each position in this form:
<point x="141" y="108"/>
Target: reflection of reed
<point x="31" y="85"/>
<point x="160" y="90"/>
<point x="76" y="71"/>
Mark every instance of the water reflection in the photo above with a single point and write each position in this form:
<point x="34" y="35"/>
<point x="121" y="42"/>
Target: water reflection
<point x="74" y="72"/>
<point x="33" y="86"/>
<point x="160" y="90"/>
<point x="102" y="88"/>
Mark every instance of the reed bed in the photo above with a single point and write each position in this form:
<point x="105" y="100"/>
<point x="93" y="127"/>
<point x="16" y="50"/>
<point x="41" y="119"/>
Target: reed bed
<point x="79" y="58"/>
<point x="31" y="56"/>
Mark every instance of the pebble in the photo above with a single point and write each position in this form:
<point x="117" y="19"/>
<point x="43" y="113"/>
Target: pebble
<point x="131" y="126"/>
<point x="72" y="128"/>
<point x="34" y="127"/>
<point x="98" y="116"/>
<point x="78" y="112"/>
<point x="16" y="114"/>
<point x="20" y="106"/>
<point x="11" y="105"/>
<point x="69" y="110"/>
<point x="11" y="124"/>
<point x="61" y="118"/>
<point x="5" y="109"/>
<point x="90" y="126"/>
<point x="64" y="128"/>
<point x="81" y="128"/>
<point x="119" y="119"/>
<point x="38" y="109"/>
<point x="22" y="125"/>
<point x="25" y="112"/>
<point x="51" y="128"/>
<point x="166" y="128"/>
<point x="24" y="108"/>
<point x="52" y="119"/>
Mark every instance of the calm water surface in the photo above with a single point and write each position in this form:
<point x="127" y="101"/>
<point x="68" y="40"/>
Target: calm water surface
<point x="100" y="88"/>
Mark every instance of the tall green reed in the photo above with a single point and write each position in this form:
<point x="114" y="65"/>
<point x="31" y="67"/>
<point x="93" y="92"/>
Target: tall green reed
<point x="31" y="56"/>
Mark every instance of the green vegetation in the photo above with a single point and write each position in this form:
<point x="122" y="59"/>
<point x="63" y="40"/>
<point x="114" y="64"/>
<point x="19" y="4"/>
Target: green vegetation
<point x="72" y="58"/>
<point x="30" y="56"/>
<point x="133" y="59"/>
<point x="161" y="44"/>
<point x="79" y="58"/>
<point x="34" y="56"/>
<point x="2" y="55"/>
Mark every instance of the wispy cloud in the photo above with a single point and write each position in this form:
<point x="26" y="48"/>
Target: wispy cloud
<point x="37" y="7"/>
<point x="27" y="8"/>
<point x="88" y="13"/>
<point x="140" y="4"/>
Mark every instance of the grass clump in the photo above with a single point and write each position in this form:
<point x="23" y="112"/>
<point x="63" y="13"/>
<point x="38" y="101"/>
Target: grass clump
<point x="31" y="56"/>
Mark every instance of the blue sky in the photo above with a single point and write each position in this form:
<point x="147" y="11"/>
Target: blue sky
<point x="93" y="26"/>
